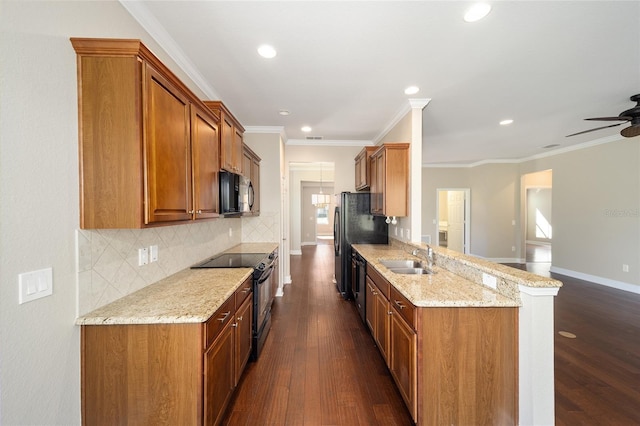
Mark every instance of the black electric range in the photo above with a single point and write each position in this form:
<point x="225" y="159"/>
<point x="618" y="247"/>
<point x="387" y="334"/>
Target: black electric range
<point x="264" y="283"/>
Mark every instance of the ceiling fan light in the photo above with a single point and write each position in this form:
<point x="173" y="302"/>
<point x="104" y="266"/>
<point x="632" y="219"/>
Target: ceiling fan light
<point x="477" y="12"/>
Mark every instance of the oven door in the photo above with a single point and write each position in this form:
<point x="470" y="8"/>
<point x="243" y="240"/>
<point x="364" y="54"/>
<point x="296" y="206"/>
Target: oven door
<point x="264" y="294"/>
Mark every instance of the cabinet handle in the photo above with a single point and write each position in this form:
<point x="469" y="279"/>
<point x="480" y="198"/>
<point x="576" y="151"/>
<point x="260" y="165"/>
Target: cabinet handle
<point x="240" y="318"/>
<point x="246" y="289"/>
<point x="224" y="316"/>
<point x="399" y="304"/>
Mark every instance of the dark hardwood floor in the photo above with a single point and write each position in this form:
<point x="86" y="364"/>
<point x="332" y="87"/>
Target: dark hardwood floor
<point x="320" y="366"/>
<point x="597" y="373"/>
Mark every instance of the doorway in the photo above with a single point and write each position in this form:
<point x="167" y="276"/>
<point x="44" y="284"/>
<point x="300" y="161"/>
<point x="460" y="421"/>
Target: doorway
<point x="453" y="219"/>
<point x="538" y="226"/>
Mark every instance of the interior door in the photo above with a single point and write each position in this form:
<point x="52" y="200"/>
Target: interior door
<point x="455" y="231"/>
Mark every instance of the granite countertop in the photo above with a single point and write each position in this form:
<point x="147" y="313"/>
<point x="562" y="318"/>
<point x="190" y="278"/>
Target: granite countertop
<point x="188" y="296"/>
<point x="442" y="289"/>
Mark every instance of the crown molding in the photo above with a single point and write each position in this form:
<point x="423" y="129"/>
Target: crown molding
<point x="141" y="14"/>
<point x="402" y="112"/>
<point x="577" y="147"/>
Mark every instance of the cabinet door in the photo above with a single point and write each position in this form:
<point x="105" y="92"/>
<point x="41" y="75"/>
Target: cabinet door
<point x="237" y="150"/>
<point x="219" y="375"/>
<point x="204" y="148"/>
<point x="380" y="183"/>
<point x="243" y="337"/>
<point x="226" y="145"/>
<point x="382" y="324"/>
<point x="402" y="360"/>
<point x="167" y="151"/>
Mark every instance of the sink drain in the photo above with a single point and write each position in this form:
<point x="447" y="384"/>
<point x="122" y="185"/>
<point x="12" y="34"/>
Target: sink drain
<point x="567" y="334"/>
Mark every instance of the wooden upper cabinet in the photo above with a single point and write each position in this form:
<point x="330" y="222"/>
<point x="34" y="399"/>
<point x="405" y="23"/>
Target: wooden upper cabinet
<point x="138" y="125"/>
<point x="231" y="137"/>
<point x="390" y="180"/>
<point x="362" y="168"/>
<point x="205" y="155"/>
<point x="167" y="148"/>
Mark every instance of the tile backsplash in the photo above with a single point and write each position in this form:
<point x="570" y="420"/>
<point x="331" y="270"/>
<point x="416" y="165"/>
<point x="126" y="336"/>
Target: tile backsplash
<point x="107" y="259"/>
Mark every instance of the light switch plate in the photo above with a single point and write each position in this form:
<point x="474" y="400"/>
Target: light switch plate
<point x="153" y="253"/>
<point x="143" y="256"/>
<point x="35" y="284"/>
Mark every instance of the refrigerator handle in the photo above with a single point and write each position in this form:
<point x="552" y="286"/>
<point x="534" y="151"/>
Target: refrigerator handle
<point x="336" y="231"/>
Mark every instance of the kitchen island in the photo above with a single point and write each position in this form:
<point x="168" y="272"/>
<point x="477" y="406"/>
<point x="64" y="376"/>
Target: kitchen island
<point x="172" y="352"/>
<point x="452" y="342"/>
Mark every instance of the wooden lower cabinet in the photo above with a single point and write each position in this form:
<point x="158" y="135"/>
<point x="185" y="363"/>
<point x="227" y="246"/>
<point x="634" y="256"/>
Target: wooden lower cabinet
<point x="165" y="374"/>
<point x="402" y="360"/>
<point x="452" y="365"/>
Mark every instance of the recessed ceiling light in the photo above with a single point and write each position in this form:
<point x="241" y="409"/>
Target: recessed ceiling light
<point x="284" y="112"/>
<point x="306" y="129"/>
<point x="477" y="12"/>
<point x="267" y="51"/>
<point x="411" y="90"/>
<point x="506" y="122"/>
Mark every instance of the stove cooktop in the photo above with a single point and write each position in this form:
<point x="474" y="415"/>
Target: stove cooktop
<point x="232" y="260"/>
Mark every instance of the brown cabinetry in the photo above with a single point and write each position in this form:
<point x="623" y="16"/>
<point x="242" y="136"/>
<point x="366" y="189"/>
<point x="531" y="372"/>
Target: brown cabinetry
<point x="139" y="130"/>
<point x="440" y="356"/>
<point x="390" y="180"/>
<point x="166" y="374"/>
<point x="231" y="136"/>
<point x="362" y="166"/>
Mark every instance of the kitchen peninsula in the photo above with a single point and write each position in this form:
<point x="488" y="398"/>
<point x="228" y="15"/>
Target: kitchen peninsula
<point x="452" y="343"/>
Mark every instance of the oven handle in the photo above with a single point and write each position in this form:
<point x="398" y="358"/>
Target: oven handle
<point x="266" y="274"/>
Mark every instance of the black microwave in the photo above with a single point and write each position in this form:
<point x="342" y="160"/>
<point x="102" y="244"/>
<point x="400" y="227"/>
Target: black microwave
<point x="236" y="194"/>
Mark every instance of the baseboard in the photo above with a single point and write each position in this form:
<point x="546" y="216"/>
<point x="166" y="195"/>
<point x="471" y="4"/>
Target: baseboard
<point x="501" y="259"/>
<point x="309" y="243"/>
<point x="538" y="243"/>
<point x="632" y="288"/>
<point x="295" y="252"/>
<point x="286" y="280"/>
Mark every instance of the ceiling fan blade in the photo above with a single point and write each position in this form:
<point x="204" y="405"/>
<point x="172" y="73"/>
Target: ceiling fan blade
<point x="619" y="118"/>
<point x="630" y="131"/>
<point x="597" y="128"/>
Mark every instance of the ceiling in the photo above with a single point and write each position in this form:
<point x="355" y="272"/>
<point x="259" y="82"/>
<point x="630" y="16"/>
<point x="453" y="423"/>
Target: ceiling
<point x="341" y="68"/>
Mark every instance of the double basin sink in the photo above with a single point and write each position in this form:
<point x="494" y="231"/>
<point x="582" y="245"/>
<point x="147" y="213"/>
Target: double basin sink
<point x="406" y="267"/>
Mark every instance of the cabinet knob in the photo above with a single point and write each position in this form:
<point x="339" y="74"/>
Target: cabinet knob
<point x="399" y="304"/>
<point x="390" y="312"/>
<point x="240" y="318"/>
<point x="190" y="211"/>
<point x="235" y="324"/>
<point x="199" y="212"/>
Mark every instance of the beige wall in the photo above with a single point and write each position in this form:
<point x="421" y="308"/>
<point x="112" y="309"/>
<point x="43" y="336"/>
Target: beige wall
<point x="595" y="209"/>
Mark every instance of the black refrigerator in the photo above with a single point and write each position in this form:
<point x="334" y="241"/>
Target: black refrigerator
<point x="354" y="224"/>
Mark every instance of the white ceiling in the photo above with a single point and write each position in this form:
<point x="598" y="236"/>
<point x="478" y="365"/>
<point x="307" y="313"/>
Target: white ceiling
<point x="341" y="68"/>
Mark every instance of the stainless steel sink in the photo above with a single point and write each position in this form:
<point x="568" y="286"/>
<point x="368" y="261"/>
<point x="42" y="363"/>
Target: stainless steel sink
<point x="411" y="271"/>
<point x="401" y="263"/>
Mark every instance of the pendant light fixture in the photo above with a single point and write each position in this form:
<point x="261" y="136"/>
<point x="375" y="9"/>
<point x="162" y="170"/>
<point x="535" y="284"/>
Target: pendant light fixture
<point x="320" y="200"/>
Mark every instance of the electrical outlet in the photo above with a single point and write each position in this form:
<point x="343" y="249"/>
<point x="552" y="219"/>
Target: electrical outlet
<point x="143" y="256"/>
<point x="408" y="234"/>
<point x="231" y="232"/>
<point x="489" y="280"/>
<point x="513" y="248"/>
<point x="153" y="253"/>
<point x="401" y="233"/>
<point x="625" y="268"/>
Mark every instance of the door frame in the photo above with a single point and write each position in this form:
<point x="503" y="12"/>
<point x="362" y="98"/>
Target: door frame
<point x="467" y="216"/>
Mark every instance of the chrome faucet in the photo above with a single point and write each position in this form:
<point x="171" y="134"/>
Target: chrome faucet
<point x="428" y="253"/>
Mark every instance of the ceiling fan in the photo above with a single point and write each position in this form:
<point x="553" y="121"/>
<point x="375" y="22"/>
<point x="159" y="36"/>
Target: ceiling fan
<point x="632" y="115"/>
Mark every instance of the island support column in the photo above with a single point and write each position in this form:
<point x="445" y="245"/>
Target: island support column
<point x="536" y="356"/>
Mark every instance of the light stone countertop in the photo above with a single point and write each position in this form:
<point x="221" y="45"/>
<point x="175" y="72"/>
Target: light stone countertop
<point x="188" y="296"/>
<point x="442" y="289"/>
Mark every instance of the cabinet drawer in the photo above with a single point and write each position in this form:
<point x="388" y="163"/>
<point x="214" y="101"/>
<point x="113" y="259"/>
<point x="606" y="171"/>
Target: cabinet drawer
<point x="243" y="292"/>
<point x="404" y="307"/>
<point x="216" y="323"/>
<point x="379" y="280"/>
